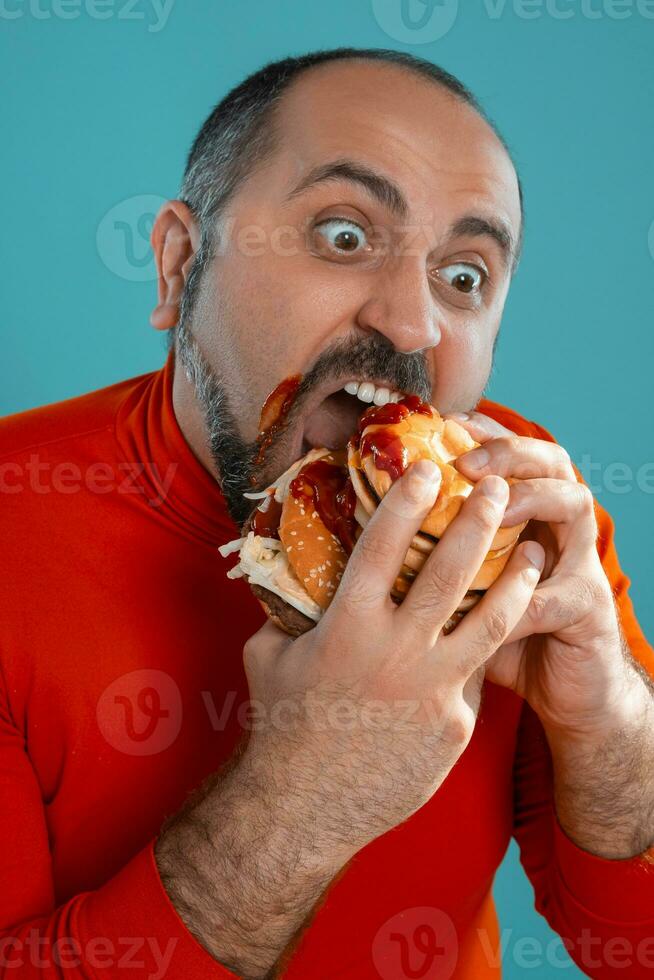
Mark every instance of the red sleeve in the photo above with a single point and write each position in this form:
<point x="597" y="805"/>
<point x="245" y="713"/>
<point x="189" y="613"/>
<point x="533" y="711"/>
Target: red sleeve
<point x="127" y="928"/>
<point x="602" y="909"/>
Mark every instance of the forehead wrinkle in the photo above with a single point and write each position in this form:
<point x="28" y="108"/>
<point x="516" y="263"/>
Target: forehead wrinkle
<point x="384" y="190"/>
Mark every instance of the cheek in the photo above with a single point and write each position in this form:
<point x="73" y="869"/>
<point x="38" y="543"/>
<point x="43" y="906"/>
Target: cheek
<point x="461" y="365"/>
<point x="262" y="319"/>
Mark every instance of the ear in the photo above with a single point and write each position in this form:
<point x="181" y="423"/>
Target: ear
<point x="175" y="239"/>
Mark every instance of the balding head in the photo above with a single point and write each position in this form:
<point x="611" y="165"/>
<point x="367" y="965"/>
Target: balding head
<point x="368" y="218"/>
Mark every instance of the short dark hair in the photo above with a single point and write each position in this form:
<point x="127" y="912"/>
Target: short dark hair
<point x="239" y="136"/>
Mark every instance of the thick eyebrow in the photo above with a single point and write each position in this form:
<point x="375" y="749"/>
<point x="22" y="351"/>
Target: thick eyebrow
<point x="389" y="195"/>
<point x="493" y="228"/>
<point x="382" y="188"/>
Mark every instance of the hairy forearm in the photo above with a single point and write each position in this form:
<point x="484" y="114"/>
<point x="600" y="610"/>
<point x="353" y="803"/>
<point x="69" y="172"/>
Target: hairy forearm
<point x="604" y="786"/>
<point x="244" y="869"/>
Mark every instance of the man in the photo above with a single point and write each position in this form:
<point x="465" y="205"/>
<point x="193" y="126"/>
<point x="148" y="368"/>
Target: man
<point x="349" y="216"/>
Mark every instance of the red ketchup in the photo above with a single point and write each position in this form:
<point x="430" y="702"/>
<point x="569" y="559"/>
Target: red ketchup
<point x="273" y="414"/>
<point x="265" y="523"/>
<point x="330" y="492"/>
<point x="386" y="448"/>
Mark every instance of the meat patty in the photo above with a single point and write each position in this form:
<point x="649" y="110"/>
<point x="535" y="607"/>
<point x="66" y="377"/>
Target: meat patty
<point x="287" y="617"/>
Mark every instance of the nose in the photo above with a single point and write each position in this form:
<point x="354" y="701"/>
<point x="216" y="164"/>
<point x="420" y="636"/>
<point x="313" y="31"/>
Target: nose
<point x="401" y="306"/>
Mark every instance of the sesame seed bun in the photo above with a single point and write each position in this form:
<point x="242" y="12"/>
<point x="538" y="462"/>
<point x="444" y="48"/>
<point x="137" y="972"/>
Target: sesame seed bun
<point x="315" y="554"/>
<point x="429" y="436"/>
<point x="296" y="575"/>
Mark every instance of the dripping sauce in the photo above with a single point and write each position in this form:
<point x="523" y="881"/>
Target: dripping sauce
<point x="384" y="445"/>
<point x="329" y="487"/>
<point x="266" y="522"/>
<point x="273" y="414"/>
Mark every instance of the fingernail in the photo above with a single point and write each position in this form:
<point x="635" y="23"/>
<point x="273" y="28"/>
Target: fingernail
<point x="535" y="554"/>
<point x="459" y="416"/>
<point x="478" y="458"/>
<point x="496" y="488"/>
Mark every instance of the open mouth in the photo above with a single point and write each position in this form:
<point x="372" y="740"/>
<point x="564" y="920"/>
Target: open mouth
<point x="332" y="419"/>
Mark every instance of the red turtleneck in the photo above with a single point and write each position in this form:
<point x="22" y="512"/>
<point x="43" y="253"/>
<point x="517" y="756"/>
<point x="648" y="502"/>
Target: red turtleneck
<point x="120" y="684"/>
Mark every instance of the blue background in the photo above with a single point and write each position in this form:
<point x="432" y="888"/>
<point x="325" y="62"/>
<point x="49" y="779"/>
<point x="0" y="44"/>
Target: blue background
<point x="102" y="113"/>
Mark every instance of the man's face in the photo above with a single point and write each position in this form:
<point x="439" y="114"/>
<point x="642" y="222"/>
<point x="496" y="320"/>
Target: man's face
<point x="331" y="283"/>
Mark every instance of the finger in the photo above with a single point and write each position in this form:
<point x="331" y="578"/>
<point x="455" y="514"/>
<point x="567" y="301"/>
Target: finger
<point x="518" y="456"/>
<point x="560" y="602"/>
<point x="568" y="507"/>
<point x="381" y="548"/>
<point x="481" y="427"/>
<point x="489" y="624"/>
<point x="446" y="575"/>
<point x="504" y="666"/>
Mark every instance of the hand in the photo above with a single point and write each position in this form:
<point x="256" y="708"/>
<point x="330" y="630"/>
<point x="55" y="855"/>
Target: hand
<point x="381" y="704"/>
<point x="365" y="716"/>
<point x="566" y="655"/>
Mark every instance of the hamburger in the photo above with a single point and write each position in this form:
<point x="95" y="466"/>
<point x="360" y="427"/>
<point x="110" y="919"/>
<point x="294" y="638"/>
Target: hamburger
<point x="295" y="544"/>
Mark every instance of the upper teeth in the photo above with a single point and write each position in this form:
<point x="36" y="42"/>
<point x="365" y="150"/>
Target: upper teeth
<point x="366" y="391"/>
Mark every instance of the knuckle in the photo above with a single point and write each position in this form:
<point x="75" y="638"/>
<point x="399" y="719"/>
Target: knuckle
<point x="539" y="607"/>
<point x="485" y="516"/>
<point x="375" y="549"/>
<point x="494" y="628"/>
<point x="501" y="450"/>
<point x="357" y="597"/>
<point x="457" y="728"/>
<point x="585" y="499"/>
<point x="444" y="576"/>
<point x="562" y="455"/>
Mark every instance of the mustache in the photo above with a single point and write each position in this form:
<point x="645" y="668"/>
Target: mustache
<point x="234" y="458"/>
<point x="371" y="357"/>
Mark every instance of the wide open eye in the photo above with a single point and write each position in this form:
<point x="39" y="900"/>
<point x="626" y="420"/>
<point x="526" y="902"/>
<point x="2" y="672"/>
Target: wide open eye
<point x="343" y="236"/>
<point x="463" y="276"/>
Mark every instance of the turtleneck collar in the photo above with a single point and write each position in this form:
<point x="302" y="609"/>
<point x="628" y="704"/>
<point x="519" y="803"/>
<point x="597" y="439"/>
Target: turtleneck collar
<point x="176" y="486"/>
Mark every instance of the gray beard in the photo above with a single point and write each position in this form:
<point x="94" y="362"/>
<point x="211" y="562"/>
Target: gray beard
<point x="233" y="457"/>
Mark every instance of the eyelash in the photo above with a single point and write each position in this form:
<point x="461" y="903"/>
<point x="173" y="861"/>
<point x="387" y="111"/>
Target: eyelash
<point x="341" y="217"/>
<point x="483" y="272"/>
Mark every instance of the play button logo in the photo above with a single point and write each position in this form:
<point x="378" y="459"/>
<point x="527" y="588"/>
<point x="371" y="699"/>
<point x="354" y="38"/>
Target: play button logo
<point x="415" y="21"/>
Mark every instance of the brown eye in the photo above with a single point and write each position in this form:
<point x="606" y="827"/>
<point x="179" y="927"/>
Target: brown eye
<point x="343" y="236"/>
<point x="463" y="276"/>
